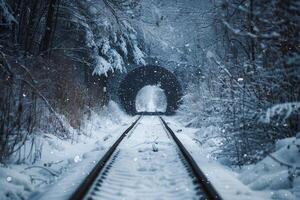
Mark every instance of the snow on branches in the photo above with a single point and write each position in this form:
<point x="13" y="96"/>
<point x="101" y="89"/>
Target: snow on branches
<point x="282" y="111"/>
<point x="113" y="41"/>
<point x="6" y="14"/>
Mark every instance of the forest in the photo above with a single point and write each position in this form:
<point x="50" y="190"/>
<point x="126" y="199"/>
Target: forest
<point x="238" y="62"/>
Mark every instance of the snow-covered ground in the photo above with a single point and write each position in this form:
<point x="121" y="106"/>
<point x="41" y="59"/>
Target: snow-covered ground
<point x="64" y="164"/>
<point x="146" y="166"/>
<point x="277" y="173"/>
<point x="268" y="179"/>
<point x="148" y="158"/>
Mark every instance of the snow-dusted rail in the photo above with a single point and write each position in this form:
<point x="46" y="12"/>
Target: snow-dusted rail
<point x="146" y="162"/>
<point x="82" y="190"/>
<point x="193" y="167"/>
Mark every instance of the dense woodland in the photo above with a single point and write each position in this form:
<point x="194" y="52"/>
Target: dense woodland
<point x="50" y="58"/>
<point x="252" y="87"/>
<point x="56" y="57"/>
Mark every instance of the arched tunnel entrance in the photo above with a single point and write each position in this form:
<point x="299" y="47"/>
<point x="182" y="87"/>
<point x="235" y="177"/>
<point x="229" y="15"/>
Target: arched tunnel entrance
<point x="149" y="75"/>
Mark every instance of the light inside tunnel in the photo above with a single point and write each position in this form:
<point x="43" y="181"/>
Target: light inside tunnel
<point x="149" y="75"/>
<point x="151" y="98"/>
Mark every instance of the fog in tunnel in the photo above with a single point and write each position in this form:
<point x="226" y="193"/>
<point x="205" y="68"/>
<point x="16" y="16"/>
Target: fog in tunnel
<point x="151" y="98"/>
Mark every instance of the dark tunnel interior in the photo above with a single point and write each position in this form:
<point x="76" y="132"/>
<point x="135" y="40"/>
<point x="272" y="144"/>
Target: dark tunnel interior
<point x="149" y="75"/>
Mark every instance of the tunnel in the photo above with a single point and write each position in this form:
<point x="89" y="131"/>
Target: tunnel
<point x="149" y="75"/>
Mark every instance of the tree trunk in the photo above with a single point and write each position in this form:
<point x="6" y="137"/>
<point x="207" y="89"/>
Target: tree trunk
<point x="46" y="40"/>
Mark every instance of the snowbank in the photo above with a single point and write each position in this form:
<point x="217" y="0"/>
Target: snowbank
<point x="275" y="177"/>
<point x="201" y="146"/>
<point x="63" y="162"/>
<point x="277" y="173"/>
<point x="108" y="117"/>
<point x="13" y="183"/>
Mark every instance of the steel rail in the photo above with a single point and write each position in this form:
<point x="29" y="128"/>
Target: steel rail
<point x="85" y="186"/>
<point x="202" y="180"/>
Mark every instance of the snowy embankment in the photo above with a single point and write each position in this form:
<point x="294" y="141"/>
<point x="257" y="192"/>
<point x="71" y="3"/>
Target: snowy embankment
<point x="65" y="163"/>
<point x="278" y="173"/>
<point x="226" y="181"/>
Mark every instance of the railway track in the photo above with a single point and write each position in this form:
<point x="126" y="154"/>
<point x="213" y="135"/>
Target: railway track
<point x="147" y="161"/>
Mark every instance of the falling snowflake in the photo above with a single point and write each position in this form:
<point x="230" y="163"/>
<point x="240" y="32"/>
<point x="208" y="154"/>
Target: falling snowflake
<point x="9" y="179"/>
<point x="77" y="159"/>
